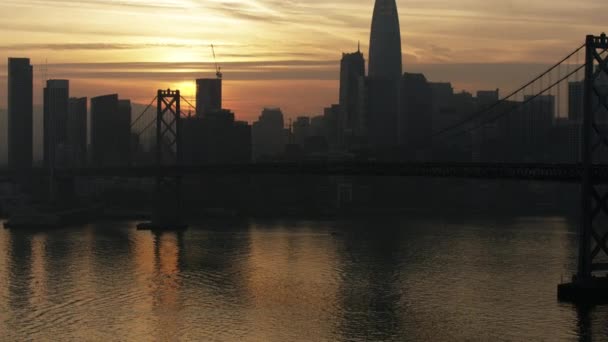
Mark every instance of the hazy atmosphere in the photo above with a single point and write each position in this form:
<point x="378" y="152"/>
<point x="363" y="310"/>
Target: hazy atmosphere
<point x="280" y="53"/>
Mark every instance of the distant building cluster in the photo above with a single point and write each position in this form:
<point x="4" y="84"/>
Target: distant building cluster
<point x="98" y="133"/>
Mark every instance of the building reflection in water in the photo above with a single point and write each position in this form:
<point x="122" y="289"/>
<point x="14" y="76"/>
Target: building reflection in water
<point x="292" y="277"/>
<point x="157" y="275"/>
<point x="5" y="251"/>
<point x="369" y="292"/>
<point x="19" y="271"/>
<point x="38" y="279"/>
<point x="5" y="281"/>
<point x="275" y="281"/>
<point x="214" y="268"/>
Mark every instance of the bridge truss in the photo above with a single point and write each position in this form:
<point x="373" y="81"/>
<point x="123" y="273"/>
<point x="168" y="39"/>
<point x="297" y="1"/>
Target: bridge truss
<point x="593" y="247"/>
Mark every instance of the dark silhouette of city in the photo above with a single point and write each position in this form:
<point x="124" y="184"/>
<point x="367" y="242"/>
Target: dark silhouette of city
<point x="396" y="144"/>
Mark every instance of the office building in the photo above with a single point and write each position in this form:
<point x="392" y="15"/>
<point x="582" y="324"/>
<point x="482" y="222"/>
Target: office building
<point x="415" y="120"/>
<point x="268" y="134"/>
<point x="487" y="98"/>
<point x="215" y="138"/>
<point x="208" y="95"/>
<point x="352" y="93"/>
<point x="123" y="131"/>
<point x="300" y="130"/>
<point x="20" y="113"/>
<point x="55" y="130"/>
<point x="110" y="131"/>
<point x="382" y="109"/>
<point x="77" y="131"/>
<point x="576" y="92"/>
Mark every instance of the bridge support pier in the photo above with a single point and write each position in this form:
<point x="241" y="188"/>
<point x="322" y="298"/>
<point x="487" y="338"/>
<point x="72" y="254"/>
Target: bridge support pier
<point x="590" y="284"/>
<point x="167" y="211"/>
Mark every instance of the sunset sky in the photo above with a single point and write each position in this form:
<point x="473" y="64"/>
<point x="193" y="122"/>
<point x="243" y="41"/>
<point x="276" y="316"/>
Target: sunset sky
<point x="282" y="52"/>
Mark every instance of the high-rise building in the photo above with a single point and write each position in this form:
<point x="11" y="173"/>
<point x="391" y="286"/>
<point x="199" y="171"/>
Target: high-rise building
<point x="123" y="131"/>
<point x="576" y="91"/>
<point x="110" y="131"/>
<point x="268" y="134"/>
<point x="487" y="98"/>
<point x="208" y="96"/>
<point x="536" y="121"/>
<point x="20" y="113"/>
<point x="385" y="68"/>
<point x="382" y="107"/>
<point x="444" y="112"/>
<point x="352" y="93"/>
<point x="77" y="131"/>
<point x="415" y="120"/>
<point x="215" y="138"/>
<point x="576" y="99"/>
<point x="300" y="130"/>
<point x="385" y="42"/>
<point x="333" y="131"/>
<point x="56" y="99"/>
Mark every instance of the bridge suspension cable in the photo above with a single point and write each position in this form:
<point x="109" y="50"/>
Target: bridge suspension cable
<point x="526" y="101"/>
<point x="506" y="98"/>
<point x="140" y="116"/>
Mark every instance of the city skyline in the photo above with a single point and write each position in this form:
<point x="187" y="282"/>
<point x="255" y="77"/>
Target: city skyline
<point x="301" y="74"/>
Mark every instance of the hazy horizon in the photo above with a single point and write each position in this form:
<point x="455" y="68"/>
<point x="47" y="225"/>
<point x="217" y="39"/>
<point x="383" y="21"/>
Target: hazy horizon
<point x="281" y="53"/>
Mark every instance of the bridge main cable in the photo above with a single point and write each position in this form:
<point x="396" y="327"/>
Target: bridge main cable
<point x="506" y="98"/>
<point x="142" y="113"/>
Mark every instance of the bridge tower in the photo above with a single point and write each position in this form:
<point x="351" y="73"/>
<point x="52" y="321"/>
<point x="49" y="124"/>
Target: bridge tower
<point x="593" y="235"/>
<point x="167" y="214"/>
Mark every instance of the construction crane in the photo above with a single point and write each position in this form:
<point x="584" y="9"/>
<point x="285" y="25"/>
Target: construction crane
<point x="218" y="70"/>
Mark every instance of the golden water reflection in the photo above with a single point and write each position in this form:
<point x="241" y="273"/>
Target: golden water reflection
<point x="290" y="281"/>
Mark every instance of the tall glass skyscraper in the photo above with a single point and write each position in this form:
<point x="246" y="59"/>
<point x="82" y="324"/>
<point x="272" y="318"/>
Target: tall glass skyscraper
<point x="385" y="68"/>
<point x="385" y="42"/>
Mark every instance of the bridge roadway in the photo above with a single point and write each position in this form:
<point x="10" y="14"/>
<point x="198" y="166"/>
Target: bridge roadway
<point x="541" y="172"/>
<point x="532" y="171"/>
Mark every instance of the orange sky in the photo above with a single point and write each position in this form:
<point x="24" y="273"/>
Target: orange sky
<point x="282" y="52"/>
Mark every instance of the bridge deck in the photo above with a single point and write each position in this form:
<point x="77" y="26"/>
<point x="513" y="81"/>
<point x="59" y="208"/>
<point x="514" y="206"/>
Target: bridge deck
<point x="545" y="172"/>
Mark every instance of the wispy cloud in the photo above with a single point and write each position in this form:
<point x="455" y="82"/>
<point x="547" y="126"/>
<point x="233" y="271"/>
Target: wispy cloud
<point x="282" y="41"/>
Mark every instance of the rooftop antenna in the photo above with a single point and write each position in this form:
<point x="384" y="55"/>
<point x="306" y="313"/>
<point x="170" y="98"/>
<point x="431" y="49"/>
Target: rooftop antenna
<point x="358" y="46"/>
<point x="218" y="70"/>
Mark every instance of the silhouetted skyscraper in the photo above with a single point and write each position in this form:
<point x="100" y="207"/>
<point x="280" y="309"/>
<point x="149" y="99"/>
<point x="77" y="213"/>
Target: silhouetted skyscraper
<point x="56" y="96"/>
<point x="576" y="92"/>
<point x="20" y="113"/>
<point x="268" y="134"/>
<point x="385" y="68"/>
<point x="385" y="42"/>
<point x="331" y="121"/>
<point x="123" y="131"/>
<point x="300" y="130"/>
<point x="352" y="92"/>
<point x="208" y="96"/>
<point x="110" y="131"/>
<point x="536" y="122"/>
<point x="215" y="138"/>
<point x="77" y="131"/>
<point x="416" y="116"/>
<point x="382" y="109"/>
